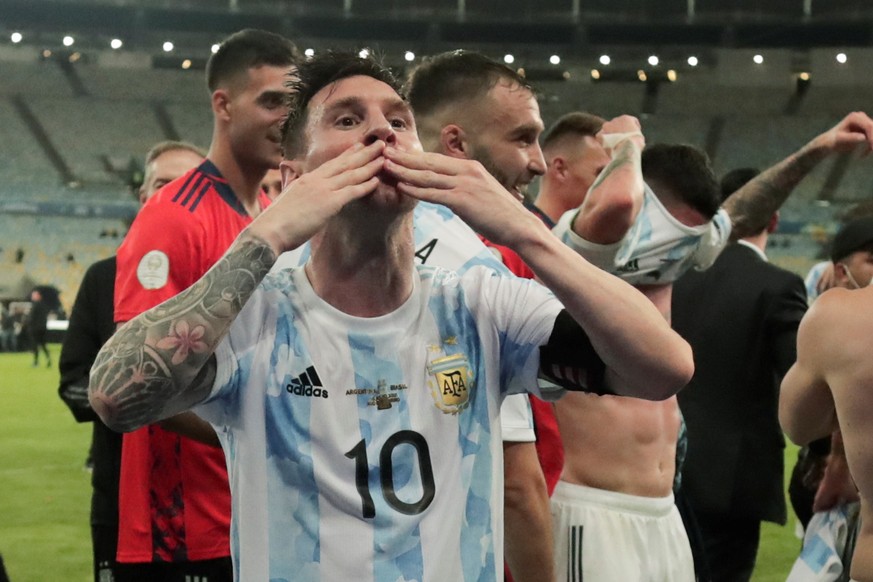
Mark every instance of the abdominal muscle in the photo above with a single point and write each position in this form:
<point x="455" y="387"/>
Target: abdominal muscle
<point x="619" y="444"/>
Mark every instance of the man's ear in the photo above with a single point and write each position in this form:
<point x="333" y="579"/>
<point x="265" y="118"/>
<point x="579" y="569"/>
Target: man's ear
<point x="221" y="104"/>
<point x="840" y="277"/>
<point x="773" y="223"/>
<point x="558" y="167"/>
<point x="453" y="140"/>
<point x="290" y="170"/>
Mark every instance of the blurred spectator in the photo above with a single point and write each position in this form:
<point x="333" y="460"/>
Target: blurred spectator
<point x="272" y="184"/>
<point x="37" y="326"/>
<point x="8" y="337"/>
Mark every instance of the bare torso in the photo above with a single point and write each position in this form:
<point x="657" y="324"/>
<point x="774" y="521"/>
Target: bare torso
<point x="851" y="382"/>
<point x="843" y="346"/>
<point x="624" y="445"/>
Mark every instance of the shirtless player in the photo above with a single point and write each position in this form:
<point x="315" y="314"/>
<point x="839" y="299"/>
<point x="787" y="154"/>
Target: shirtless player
<point x="830" y="384"/>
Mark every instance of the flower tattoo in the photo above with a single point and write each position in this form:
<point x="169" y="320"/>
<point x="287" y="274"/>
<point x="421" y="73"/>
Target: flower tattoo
<point x="184" y="340"/>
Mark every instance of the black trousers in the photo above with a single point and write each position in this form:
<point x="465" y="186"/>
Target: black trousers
<point x="217" y="570"/>
<point x="730" y="546"/>
<point x="104" y="542"/>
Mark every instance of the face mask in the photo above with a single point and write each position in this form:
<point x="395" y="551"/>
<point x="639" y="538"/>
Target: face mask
<point x="852" y="279"/>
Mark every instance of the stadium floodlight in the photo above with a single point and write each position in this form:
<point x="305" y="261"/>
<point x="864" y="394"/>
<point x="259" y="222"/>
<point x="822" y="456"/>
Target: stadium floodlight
<point x="116" y="43"/>
<point x="168" y="47"/>
<point x="215" y="48"/>
<point x="654" y="60"/>
<point x="409" y="56"/>
<point x="508" y="59"/>
<point x="309" y="53"/>
<point x="692" y="61"/>
<point x="16" y="37"/>
<point x="69" y="40"/>
<point x="364" y="53"/>
<point x="842" y="58"/>
<point x="605" y="60"/>
<point x="555" y="60"/>
<point x="759" y="59"/>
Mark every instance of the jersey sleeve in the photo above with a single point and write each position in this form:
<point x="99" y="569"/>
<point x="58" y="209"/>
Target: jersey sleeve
<point x="599" y="255"/>
<point x="713" y="240"/>
<point x="160" y="257"/>
<point x="516" y="419"/>
<point x="523" y="314"/>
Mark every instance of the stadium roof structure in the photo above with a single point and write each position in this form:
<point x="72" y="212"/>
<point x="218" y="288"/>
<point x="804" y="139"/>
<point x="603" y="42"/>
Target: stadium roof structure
<point x="437" y="23"/>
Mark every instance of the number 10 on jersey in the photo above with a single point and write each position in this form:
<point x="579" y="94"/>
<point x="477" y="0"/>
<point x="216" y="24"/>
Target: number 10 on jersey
<point x="386" y="474"/>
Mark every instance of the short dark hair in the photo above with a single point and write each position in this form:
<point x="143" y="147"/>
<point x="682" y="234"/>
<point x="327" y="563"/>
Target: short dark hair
<point x="247" y="49"/>
<point x="736" y="179"/>
<point x="315" y="74"/>
<point x="854" y="236"/>
<point x="455" y="76"/>
<point x="686" y="171"/>
<point x="575" y="124"/>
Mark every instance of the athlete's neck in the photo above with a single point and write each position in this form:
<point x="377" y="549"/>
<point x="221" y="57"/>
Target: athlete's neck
<point x="364" y="276"/>
<point x="550" y="204"/>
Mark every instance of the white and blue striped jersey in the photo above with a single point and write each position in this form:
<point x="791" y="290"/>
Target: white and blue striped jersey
<point x="369" y="449"/>
<point x="657" y="249"/>
<point x="444" y="240"/>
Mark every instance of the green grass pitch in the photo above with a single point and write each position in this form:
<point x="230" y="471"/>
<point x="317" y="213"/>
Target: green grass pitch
<point x="45" y="492"/>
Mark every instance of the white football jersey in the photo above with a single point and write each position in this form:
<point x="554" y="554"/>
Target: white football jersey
<point x="369" y="449"/>
<point x="444" y="240"/>
<point x="657" y="249"/>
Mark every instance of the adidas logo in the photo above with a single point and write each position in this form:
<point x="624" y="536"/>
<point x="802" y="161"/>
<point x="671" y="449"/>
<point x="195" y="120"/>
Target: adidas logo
<point x="307" y="384"/>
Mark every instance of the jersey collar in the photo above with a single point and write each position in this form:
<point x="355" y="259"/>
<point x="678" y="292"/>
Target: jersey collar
<point x="223" y="188"/>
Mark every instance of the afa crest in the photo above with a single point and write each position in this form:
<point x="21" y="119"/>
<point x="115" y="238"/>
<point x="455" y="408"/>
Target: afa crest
<point x="451" y="381"/>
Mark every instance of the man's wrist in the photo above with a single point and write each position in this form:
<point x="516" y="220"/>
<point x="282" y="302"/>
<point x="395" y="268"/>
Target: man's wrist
<point x="612" y="141"/>
<point x="268" y="239"/>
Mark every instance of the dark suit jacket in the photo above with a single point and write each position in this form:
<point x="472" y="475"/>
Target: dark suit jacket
<point x="741" y="318"/>
<point x="91" y="324"/>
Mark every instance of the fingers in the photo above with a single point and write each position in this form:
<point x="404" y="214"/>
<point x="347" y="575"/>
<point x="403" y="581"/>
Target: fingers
<point x="621" y="124"/>
<point x="354" y="191"/>
<point x="436" y="163"/>
<point x="354" y="157"/>
<point x="859" y="124"/>
<point x="434" y="195"/>
<point x="360" y="174"/>
<point x="423" y="178"/>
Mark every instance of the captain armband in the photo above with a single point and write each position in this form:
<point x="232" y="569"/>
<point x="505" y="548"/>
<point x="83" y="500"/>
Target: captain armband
<point x="569" y="360"/>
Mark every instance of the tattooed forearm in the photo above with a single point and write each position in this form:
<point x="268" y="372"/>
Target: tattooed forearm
<point x="751" y="207"/>
<point x="160" y="363"/>
<point x="625" y="153"/>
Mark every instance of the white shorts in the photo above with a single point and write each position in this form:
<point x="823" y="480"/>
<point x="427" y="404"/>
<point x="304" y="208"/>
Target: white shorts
<point x="602" y="536"/>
